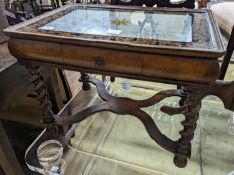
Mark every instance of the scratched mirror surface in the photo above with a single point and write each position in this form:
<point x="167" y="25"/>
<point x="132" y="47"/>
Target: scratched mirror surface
<point x="137" y="24"/>
<point x="181" y="28"/>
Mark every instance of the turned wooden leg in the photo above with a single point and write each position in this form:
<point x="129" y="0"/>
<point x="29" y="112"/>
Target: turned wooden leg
<point x="84" y="77"/>
<point x="42" y="94"/>
<point x="112" y="79"/>
<point x="43" y="97"/>
<point x="183" y="148"/>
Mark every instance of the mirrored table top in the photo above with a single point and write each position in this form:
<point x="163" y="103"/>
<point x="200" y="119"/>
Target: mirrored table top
<point x="129" y="24"/>
<point x="135" y="26"/>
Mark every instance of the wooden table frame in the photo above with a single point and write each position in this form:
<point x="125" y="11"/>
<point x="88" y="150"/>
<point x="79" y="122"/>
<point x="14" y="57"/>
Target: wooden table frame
<point x="193" y="85"/>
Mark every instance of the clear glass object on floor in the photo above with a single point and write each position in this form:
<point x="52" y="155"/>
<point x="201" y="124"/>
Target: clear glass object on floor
<point x="49" y="154"/>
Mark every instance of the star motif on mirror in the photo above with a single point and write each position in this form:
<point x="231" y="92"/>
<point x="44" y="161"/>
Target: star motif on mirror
<point x="119" y="21"/>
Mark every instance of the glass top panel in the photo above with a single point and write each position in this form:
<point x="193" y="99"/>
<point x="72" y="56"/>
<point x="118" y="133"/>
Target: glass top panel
<point x="131" y="24"/>
<point x="141" y="26"/>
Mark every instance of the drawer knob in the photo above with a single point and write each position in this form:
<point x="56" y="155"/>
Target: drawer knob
<point x="99" y="61"/>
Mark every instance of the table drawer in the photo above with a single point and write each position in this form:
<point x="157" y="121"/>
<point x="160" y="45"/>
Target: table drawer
<point x="35" y="50"/>
<point x="180" y="68"/>
<point x="102" y="59"/>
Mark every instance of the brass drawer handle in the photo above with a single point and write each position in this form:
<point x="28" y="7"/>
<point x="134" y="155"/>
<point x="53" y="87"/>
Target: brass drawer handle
<point x="99" y="61"/>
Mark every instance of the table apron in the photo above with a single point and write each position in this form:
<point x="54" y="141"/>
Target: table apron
<point x="175" y="68"/>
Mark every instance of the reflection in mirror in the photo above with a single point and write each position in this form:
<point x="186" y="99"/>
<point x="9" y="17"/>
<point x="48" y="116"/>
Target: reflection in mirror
<point x="134" y="25"/>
